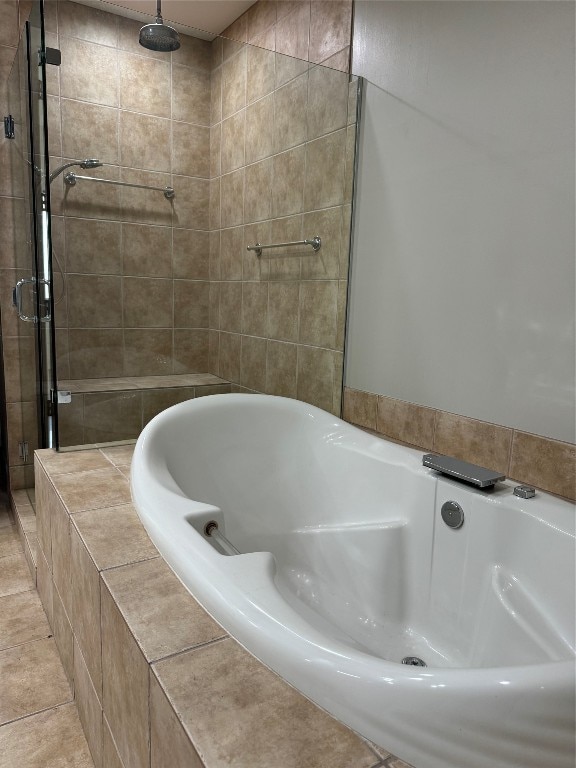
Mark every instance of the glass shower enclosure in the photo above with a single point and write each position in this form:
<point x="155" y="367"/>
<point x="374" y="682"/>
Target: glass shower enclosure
<point x="30" y="400"/>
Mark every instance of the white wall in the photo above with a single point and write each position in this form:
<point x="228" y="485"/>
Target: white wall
<point x="463" y="284"/>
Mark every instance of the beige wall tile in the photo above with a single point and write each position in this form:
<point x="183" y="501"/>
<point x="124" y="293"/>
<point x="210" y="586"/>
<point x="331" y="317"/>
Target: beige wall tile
<point x="191" y="209"/>
<point x="110" y="756"/>
<point x="316" y="376"/>
<point x="162" y="615"/>
<point x="326" y="262"/>
<point x="9" y="34"/>
<point x="233" y="141"/>
<point x="330" y="26"/>
<point x="112" y="416"/>
<point x="281" y="361"/>
<point x="215" y="219"/>
<point x="61" y="562"/>
<point x="470" y="440"/>
<point x="90" y="200"/>
<point x="258" y="191"/>
<point x="232" y="198"/>
<point x="318" y="312"/>
<point x="170" y="746"/>
<point x="253" y="363"/>
<point x="191" y="254"/>
<point x="86" y="23"/>
<point x="216" y="95"/>
<point x="190" y="95"/>
<point x="547" y="464"/>
<point x="328" y="93"/>
<point x="283" y="303"/>
<point x="148" y="352"/>
<point x="31" y="679"/>
<point x="339" y="61"/>
<point x="260" y="17"/>
<point x="145" y="206"/>
<point x="234" y="83"/>
<point x="89" y="130"/>
<point x="293" y="31"/>
<point x="231" y="306"/>
<point x="147" y="302"/>
<point x="190" y="150"/>
<point x="253" y="266"/>
<point x="63" y="636"/>
<point x="85" y="581"/>
<point x="191" y="350"/>
<point x="155" y="401"/>
<point x="125" y="687"/>
<point x="80" y="60"/>
<point x="260" y="129"/>
<point x="215" y="150"/>
<point x="93" y="246"/>
<point x="323" y="189"/>
<point x="289" y="176"/>
<point x="255" y="308"/>
<point x="44" y="502"/>
<point x="144" y="84"/>
<point x="147" y="250"/>
<point x="194" y="52"/>
<point x="406" y="422"/>
<point x="260" y="64"/>
<point x="92" y="490"/>
<point x="290" y="109"/>
<point x="360" y="408"/>
<point x="230" y="356"/>
<point x="241" y="708"/>
<point x="94" y="301"/>
<point x="231" y="252"/>
<point x="191" y="299"/>
<point x="89" y="707"/>
<point x="145" y="142"/>
<point x="97" y="352"/>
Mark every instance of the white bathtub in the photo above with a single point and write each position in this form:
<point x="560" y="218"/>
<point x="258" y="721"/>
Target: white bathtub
<point x="347" y="567"/>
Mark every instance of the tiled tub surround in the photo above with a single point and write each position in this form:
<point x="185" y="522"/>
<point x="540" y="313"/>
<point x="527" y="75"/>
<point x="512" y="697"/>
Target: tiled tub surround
<point x="39" y="723"/>
<point x="157" y="682"/>
<point x="531" y="459"/>
<point x="105" y="410"/>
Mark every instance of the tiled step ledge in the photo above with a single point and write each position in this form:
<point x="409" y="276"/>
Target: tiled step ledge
<point x="157" y="682"/>
<point x="84" y="386"/>
<point x="25" y="519"/>
<point x="104" y="410"/>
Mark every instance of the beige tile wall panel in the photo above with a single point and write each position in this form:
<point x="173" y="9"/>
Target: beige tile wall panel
<point x="531" y="459"/>
<point x="89" y="707"/>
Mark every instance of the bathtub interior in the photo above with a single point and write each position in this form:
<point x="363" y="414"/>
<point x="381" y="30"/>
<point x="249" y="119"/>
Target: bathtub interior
<point x="359" y="547"/>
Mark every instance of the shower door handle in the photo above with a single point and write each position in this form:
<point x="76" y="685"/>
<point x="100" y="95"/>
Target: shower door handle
<point x="17" y="299"/>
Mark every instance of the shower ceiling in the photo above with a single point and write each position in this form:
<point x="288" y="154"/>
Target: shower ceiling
<point x="199" y="18"/>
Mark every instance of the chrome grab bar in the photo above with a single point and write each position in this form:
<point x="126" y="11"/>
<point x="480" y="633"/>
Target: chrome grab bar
<point x="71" y="179"/>
<point x="315" y="242"/>
<point x="17" y="299"/>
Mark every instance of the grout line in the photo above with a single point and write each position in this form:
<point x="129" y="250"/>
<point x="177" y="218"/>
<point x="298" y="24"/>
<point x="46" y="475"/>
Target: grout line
<point x="39" y="712"/>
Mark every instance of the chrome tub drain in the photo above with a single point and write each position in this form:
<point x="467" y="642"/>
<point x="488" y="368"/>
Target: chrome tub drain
<point x="413" y="661"/>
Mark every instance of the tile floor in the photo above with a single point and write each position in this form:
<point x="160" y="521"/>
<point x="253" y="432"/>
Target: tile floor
<point x="39" y="724"/>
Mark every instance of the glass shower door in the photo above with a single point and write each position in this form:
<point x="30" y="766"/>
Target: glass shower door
<point x="33" y="290"/>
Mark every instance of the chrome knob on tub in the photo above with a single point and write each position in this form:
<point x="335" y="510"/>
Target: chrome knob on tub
<point x="452" y="514"/>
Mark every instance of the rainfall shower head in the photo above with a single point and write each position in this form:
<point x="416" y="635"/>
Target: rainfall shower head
<point x="88" y="163"/>
<point x="159" y="36"/>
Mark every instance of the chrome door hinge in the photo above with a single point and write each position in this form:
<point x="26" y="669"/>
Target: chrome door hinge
<point x="61" y="396"/>
<point x="23" y="450"/>
<point x="50" y="56"/>
<point x="9" y="127"/>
